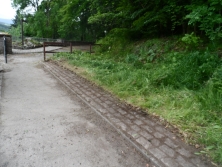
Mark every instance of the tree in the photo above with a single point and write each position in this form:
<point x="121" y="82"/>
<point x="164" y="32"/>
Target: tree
<point x="74" y="22"/>
<point x="207" y="15"/>
<point x="16" y="21"/>
<point x="23" y="4"/>
<point x="89" y="19"/>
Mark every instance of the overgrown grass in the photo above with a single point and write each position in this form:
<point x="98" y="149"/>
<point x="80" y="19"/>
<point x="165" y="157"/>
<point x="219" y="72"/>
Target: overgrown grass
<point x="182" y="86"/>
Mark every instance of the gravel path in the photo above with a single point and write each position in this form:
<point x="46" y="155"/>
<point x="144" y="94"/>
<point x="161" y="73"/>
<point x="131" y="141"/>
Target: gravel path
<point x="145" y="133"/>
<point x="43" y="124"/>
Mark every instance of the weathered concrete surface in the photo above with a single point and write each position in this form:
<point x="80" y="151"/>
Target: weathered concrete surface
<point x="43" y="124"/>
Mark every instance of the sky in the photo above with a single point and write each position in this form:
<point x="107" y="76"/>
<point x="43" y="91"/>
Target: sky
<point x="6" y="10"/>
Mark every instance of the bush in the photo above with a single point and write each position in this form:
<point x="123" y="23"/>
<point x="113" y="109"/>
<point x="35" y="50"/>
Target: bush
<point x="190" y="70"/>
<point x="116" y="41"/>
<point x="191" y="41"/>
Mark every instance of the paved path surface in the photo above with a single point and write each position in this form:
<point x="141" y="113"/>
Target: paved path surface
<point x="146" y="134"/>
<point x="43" y="124"/>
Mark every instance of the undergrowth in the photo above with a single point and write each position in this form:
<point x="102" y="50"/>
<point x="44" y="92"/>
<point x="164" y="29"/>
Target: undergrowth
<point x="181" y="84"/>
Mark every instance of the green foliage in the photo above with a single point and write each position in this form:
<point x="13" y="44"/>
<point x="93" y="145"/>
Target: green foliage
<point x="211" y="95"/>
<point x="74" y="21"/>
<point x="104" y="14"/>
<point x="39" y="25"/>
<point x="182" y="87"/>
<point x="101" y="18"/>
<point x="16" y="21"/>
<point x="190" y="70"/>
<point x="208" y="17"/>
<point x="15" y="31"/>
<point x="22" y="5"/>
<point x="88" y="20"/>
<point x="191" y="40"/>
<point x="116" y="41"/>
<point x="4" y="28"/>
<point x="211" y="136"/>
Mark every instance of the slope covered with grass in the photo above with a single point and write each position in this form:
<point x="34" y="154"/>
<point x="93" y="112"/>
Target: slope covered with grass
<point x="178" y="80"/>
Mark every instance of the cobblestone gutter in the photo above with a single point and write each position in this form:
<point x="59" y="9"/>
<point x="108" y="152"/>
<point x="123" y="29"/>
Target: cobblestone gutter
<point x="148" y="135"/>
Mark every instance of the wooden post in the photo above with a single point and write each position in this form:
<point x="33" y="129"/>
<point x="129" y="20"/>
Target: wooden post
<point x="70" y="47"/>
<point x="22" y="33"/>
<point x="5" y="49"/>
<point x="44" y="50"/>
<point x="90" y="48"/>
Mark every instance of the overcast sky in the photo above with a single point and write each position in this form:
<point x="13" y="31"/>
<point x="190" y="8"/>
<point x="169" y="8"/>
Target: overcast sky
<point x="6" y="10"/>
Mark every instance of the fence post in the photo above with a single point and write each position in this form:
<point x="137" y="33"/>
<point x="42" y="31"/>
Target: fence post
<point x="70" y="47"/>
<point x="90" y="48"/>
<point x="44" y="50"/>
<point x="5" y="49"/>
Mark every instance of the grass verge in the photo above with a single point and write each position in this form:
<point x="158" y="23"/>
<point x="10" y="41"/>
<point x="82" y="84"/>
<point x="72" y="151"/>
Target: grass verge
<point x="183" y="87"/>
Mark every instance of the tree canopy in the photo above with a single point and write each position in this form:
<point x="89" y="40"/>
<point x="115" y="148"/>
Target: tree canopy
<point x="91" y="19"/>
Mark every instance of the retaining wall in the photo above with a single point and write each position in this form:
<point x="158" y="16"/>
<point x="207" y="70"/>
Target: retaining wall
<point x="8" y="43"/>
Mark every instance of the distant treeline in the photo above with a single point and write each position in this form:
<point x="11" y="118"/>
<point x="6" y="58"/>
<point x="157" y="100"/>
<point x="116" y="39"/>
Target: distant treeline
<point x="3" y="27"/>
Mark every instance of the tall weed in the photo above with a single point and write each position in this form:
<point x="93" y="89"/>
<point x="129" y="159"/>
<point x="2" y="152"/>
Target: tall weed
<point x="211" y="95"/>
<point x="190" y="70"/>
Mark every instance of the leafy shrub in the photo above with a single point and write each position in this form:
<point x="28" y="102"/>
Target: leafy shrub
<point x="191" y="40"/>
<point x="190" y="70"/>
<point x="115" y="41"/>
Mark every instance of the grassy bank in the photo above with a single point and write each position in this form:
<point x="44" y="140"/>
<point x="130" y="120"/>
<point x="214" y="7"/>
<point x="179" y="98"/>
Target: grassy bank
<point x="166" y="77"/>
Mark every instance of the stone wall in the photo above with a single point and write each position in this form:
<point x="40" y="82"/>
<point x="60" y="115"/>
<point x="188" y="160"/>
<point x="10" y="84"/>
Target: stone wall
<point x="8" y="44"/>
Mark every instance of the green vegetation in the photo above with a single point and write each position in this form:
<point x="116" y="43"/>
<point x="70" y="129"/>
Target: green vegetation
<point x="165" y="78"/>
<point x="93" y="19"/>
<point x="3" y="27"/>
<point x="178" y="78"/>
